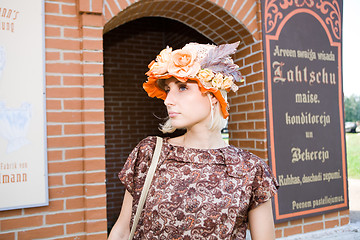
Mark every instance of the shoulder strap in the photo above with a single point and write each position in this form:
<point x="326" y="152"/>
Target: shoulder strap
<point x="148" y="180"/>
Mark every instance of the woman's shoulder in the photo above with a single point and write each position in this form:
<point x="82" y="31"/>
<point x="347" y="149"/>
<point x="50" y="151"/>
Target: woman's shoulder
<point x="240" y="161"/>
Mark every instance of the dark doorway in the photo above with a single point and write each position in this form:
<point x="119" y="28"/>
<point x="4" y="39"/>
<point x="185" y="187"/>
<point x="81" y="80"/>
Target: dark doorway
<point x="130" y="115"/>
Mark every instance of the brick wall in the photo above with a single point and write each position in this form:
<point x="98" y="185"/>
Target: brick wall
<point x="75" y="132"/>
<point x="75" y="106"/>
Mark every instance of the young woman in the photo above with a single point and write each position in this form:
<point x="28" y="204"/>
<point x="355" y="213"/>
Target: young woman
<point x="203" y="188"/>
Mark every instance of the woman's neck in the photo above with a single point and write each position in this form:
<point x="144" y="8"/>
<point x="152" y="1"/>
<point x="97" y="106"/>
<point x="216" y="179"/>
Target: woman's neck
<point x="202" y="139"/>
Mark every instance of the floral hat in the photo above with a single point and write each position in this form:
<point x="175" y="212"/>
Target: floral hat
<point x="209" y="65"/>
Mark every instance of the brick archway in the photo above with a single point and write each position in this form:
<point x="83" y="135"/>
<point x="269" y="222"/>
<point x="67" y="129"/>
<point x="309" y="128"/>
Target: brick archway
<point x="221" y="22"/>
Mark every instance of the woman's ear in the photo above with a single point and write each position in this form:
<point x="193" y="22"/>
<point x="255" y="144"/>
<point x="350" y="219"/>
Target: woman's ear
<point x="213" y="99"/>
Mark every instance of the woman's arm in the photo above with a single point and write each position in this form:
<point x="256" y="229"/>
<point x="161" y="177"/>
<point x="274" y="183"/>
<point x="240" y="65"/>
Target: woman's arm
<point x="261" y="222"/>
<point x="121" y="229"/>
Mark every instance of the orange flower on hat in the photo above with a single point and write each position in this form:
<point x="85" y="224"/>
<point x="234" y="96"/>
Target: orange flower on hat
<point x="162" y="62"/>
<point x="205" y="75"/>
<point x="227" y="83"/>
<point x="217" y="80"/>
<point x="182" y="63"/>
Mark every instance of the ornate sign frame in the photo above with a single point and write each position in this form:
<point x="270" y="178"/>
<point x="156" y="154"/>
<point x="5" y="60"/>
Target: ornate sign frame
<point x="305" y="115"/>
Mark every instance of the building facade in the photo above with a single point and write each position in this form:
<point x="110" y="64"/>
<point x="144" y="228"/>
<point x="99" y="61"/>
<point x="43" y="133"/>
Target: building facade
<point x="97" y="52"/>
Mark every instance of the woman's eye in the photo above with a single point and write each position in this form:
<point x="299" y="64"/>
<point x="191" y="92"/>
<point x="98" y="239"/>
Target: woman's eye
<point x="182" y="87"/>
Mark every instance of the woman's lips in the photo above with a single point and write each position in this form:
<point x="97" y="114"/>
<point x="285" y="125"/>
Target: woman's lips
<point x="173" y="114"/>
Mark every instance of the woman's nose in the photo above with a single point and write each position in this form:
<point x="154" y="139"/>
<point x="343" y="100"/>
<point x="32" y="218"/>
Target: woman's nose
<point x="169" y="100"/>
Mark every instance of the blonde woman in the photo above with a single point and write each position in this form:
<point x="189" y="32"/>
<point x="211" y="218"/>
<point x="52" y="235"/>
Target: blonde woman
<point x="202" y="188"/>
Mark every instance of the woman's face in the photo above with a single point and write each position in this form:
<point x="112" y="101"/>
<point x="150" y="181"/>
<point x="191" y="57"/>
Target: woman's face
<point x="186" y="105"/>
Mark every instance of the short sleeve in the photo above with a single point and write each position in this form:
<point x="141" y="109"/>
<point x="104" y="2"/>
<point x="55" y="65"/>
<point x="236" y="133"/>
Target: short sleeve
<point x="136" y="166"/>
<point x="264" y="185"/>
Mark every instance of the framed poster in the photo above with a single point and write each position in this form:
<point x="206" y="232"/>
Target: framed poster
<point x="305" y="113"/>
<point x="23" y="162"/>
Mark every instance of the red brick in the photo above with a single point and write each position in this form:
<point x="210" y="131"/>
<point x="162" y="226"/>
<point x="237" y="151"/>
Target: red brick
<point x="95" y="177"/>
<point x="95" y="214"/>
<point x="255" y="115"/>
<point x="96" y="236"/>
<point x="52" y="7"/>
<point x="62" y="44"/>
<point x="93" y="68"/>
<point x="63" y="92"/>
<point x="93" y="190"/>
<point x="22" y="222"/>
<point x="96" y="226"/>
<point x="54" y="205"/>
<point x="52" y="31"/>
<point x="76" y="227"/>
<point x="92" y="20"/>
<point x="71" y="33"/>
<point x="94" y="164"/>
<point x="260" y="125"/>
<point x="72" y="80"/>
<point x="94" y="140"/>
<point x="93" y="56"/>
<point x="68" y="9"/>
<point x="278" y="233"/>
<point x="64" y="217"/>
<point x="281" y="225"/>
<point x="332" y="223"/>
<point x="93" y="116"/>
<point x="95" y="202"/>
<point x="94" y="92"/>
<point x="84" y="5"/>
<point x="63" y="192"/>
<point x="94" y="104"/>
<point x="73" y="104"/>
<point x="56" y="181"/>
<point x="92" y="44"/>
<point x="62" y="20"/>
<point x="62" y="142"/>
<point x="72" y="56"/>
<point x="292" y="231"/>
<point x="53" y="104"/>
<point x="313" y="219"/>
<point x="75" y="203"/>
<point x="64" y="117"/>
<point x="344" y="212"/>
<point x="257" y="135"/>
<point x="10" y="213"/>
<point x="73" y="153"/>
<point x="344" y="221"/>
<point x="53" y="130"/>
<point x="7" y="236"/>
<point x="53" y="80"/>
<point x="92" y="32"/>
<point x="63" y="68"/>
<point x="44" y="232"/>
<point x="331" y="215"/>
<point x="71" y="179"/>
<point x="255" y="96"/>
<point x="66" y="166"/>
<point x="247" y="144"/>
<point x="313" y="227"/>
<point x="54" y="155"/>
<point x="52" y="56"/>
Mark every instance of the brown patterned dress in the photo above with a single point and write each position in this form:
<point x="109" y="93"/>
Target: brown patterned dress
<point x="196" y="193"/>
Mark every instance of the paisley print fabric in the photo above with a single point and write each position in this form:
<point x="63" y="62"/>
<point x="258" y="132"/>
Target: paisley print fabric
<point x="196" y="193"/>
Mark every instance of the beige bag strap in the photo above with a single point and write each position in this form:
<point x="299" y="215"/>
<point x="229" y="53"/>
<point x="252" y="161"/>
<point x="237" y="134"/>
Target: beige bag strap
<point x="148" y="180"/>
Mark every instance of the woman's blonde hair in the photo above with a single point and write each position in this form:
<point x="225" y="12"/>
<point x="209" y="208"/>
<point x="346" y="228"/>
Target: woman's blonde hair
<point x="217" y="119"/>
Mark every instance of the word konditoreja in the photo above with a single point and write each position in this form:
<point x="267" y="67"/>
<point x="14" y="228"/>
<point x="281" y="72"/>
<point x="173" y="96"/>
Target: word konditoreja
<point x="307" y="118"/>
<point x="302" y="75"/>
<point x="306" y="155"/>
